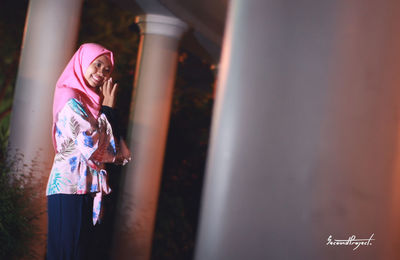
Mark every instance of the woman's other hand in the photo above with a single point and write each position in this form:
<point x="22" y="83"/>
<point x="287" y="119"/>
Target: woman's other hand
<point x="124" y="155"/>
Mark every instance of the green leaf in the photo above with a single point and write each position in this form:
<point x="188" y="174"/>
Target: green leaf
<point x="67" y="148"/>
<point x="75" y="128"/>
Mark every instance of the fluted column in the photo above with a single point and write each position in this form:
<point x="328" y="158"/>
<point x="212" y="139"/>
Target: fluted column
<point x="305" y="133"/>
<point x="49" y="41"/>
<point x="149" y="120"/>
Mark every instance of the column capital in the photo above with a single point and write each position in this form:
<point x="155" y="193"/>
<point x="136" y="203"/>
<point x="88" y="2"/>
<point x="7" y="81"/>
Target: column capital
<point x="161" y="25"/>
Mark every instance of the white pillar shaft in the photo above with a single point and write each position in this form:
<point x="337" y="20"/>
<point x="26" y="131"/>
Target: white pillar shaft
<point x="49" y="40"/>
<point x="304" y="140"/>
<point x="50" y="37"/>
<point x="149" y="122"/>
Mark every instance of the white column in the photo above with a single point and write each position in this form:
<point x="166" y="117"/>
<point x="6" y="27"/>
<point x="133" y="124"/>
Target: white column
<point x="305" y="133"/>
<point x="49" y="40"/>
<point x="149" y="120"/>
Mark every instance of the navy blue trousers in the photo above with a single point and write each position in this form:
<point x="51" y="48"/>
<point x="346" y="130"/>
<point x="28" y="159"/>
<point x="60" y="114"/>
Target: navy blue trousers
<point x="70" y="226"/>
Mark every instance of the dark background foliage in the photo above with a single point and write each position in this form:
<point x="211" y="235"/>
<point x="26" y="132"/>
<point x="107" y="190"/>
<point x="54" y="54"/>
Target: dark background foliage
<point x="12" y="20"/>
<point x="112" y="26"/>
<point x="16" y="213"/>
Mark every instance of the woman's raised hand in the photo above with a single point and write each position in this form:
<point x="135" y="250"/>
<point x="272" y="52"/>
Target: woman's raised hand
<point x="109" y="90"/>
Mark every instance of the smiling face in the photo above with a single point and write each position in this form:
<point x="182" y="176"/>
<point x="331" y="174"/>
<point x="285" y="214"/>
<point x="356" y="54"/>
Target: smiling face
<point x="98" y="71"/>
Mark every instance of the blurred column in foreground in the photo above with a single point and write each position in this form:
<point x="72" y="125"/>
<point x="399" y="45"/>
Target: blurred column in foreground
<point x="149" y="120"/>
<point x="305" y="133"/>
<point x="49" y="40"/>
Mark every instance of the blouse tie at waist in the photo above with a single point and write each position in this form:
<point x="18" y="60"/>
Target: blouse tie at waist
<point x="103" y="189"/>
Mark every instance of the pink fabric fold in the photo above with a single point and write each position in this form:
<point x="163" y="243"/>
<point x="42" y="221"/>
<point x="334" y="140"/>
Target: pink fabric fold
<point x="71" y="83"/>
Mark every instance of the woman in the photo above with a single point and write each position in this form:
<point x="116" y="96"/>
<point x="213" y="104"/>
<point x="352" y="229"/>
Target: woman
<point x="84" y="138"/>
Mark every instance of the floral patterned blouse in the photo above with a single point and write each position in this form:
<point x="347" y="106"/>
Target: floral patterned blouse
<point x="84" y="144"/>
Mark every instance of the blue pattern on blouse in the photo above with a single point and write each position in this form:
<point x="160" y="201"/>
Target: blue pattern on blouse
<point x="72" y="163"/>
<point x="77" y="107"/>
<point x="58" y="132"/>
<point x="111" y="148"/>
<point x="88" y="140"/>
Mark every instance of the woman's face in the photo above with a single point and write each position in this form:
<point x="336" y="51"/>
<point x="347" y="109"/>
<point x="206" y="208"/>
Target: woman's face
<point x="98" y="71"/>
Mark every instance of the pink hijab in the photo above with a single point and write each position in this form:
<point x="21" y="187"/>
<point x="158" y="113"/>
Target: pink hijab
<point x="71" y="83"/>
